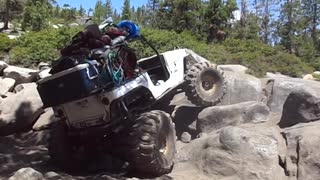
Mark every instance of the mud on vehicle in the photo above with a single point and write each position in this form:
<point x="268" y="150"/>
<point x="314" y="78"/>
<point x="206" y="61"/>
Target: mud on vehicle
<point x="98" y="114"/>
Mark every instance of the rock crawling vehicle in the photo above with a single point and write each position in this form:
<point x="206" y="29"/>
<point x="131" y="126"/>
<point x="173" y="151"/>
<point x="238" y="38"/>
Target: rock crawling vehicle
<point x="120" y="117"/>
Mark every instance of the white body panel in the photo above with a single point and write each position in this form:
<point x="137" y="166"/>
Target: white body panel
<point x="97" y="113"/>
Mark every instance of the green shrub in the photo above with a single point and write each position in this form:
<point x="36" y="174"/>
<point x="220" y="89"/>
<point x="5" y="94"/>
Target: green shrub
<point x="316" y="77"/>
<point x="34" y="47"/>
<point x="261" y="58"/>
<point x="5" y="42"/>
<point x="258" y="57"/>
<point x="288" y="64"/>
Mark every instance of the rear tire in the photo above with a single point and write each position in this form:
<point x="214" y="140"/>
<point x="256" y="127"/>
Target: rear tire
<point x="152" y="142"/>
<point x="205" y="85"/>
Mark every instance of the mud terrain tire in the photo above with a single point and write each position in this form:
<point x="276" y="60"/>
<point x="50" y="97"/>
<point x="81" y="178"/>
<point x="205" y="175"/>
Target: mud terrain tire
<point x="62" y="150"/>
<point x="205" y="85"/>
<point x="152" y="142"/>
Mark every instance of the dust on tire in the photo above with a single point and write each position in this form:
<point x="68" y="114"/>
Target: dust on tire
<point x="205" y="85"/>
<point x="152" y="143"/>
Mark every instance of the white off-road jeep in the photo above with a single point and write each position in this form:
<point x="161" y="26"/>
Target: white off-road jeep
<point x="121" y="118"/>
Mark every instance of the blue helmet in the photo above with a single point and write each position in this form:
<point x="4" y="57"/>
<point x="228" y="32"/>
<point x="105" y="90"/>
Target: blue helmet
<point x="132" y="28"/>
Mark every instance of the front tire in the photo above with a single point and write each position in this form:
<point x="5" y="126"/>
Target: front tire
<point x="205" y="85"/>
<point x="152" y="142"/>
<point x="63" y="151"/>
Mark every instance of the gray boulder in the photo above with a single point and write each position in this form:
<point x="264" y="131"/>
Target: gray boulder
<point x="275" y="75"/>
<point x="52" y="176"/>
<point x="42" y="66"/>
<point x="241" y="88"/>
<point x="185" y="137"/>
<point x="236" y="68"/>
<point x="7" y="94"/>
<point x="27" y="173"/>
<point x="19" y="111"/>
<point x="21" y="87"/>
<point x="3" y="66"/>
<point x="45" y="120"/>
<point x="302" y="160"/>
<point x="248" y="152"/>
<point x="44" y="73"/>
<point x="216" y="117"/>
<point x="281" y="89"/>
<point x="302" y="106"/>
<point x="6" y="85"/>
<point x="21" y="75"/>
<point x="73" y="25"/>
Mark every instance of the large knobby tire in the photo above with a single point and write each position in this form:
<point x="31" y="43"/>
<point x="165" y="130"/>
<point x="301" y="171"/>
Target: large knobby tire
<point x="152" y="144"/>
<point x="62" y="150"/>
<point x="205" y="85"/>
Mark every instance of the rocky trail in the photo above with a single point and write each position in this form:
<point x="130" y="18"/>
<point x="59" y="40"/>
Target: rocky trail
<point x="264" y="129"/>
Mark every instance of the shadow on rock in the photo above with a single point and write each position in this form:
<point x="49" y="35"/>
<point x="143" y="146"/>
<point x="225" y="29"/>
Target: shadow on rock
<point x="17" y="115"/>
<point x="185" y="119"/>
<point x="23" y="150"/>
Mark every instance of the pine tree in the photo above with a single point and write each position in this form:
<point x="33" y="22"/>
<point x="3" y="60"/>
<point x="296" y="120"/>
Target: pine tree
<point x="108" y="8"/>
<point x="133" y="14"/>
<point x="99" y="11"/>
<point x="90" y="10"/>
<point x="288" y="18"/>
<point x="115" y="16"/>
<point x="151" y="12"/>
<point x="56" y="11"/>
<point x="186" y="14"/>
<point x="11" y="8"/>
<point x="244" y="13"/>
<point x="81" y="11"/>
<point x="126" y="11"/>
<point x="266" y="11"/>
<point x="217" y="15"/>
<point x="139" y="16"/>
<point x="311" y="15"/>
<point x="36" y="15"/>
<point x="6" y="22"/>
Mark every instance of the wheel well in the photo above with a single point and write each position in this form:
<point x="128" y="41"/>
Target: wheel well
<point x="138" y="99"/>
<point x="188" y="60"/>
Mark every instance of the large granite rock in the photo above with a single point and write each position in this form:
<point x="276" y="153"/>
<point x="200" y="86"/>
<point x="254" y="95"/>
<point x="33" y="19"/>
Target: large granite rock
<point x="281" y="89"/>
<point x="241" y="88"/>
<point x="27" y="173"/>
<point x="19" y="111"/>
<point x="45" y="120"/>
<point x="236" y="68"/>
<point x="42" y="66"/>
<point x="21" y="75"/>
<point x="275" y="75"/>
<point x="6" y="85"/>
<point x="3" y="65"/>
<point x="45" y="73"/>
<point x="248" y="152"/>
<point x="302" y="106"/>
<point x="216" y="117"/>
<point x="302" y="161"/>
